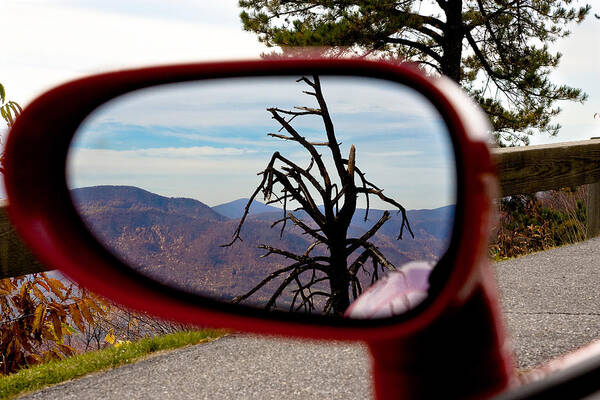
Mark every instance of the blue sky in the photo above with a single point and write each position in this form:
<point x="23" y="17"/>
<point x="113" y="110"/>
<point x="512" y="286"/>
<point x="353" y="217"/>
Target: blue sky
<point x="51" y="41"/>
<point x="208" y="140"/>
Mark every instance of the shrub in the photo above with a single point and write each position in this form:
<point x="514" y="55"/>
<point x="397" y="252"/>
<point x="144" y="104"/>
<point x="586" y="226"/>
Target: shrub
<point x="537" y="222"/>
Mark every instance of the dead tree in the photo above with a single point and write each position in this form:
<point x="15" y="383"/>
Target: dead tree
<point x="286" y="182"/>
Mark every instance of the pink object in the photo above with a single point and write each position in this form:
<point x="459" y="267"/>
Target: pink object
<point x="394" y="294"/>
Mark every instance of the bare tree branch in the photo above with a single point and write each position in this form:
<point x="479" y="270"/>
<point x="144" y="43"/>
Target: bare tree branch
<point x="377" y="255"/>
<point x="401" y="209"/>
<point x="275" y="274"/>
<point x="311" y="149"/>
<point x="296" y="271"/>
<point x="367" y="235"/>
<point x="236" y="234"/>
<point x="294" y="139"/>
<point x="304" y="279"/>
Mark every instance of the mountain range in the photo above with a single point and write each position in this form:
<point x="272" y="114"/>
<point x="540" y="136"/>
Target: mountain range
<point x="179" y="241"/>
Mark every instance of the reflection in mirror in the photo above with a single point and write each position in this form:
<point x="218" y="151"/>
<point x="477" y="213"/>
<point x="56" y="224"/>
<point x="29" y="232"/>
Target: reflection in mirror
<point x="284" y="193"/>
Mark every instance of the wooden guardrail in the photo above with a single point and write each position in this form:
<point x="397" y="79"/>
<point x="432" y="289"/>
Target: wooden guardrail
<point x="15" y="257"/>
<point x="552" y="166"/>
<point x="533" y="169"/>
<point x="521" y="170"/>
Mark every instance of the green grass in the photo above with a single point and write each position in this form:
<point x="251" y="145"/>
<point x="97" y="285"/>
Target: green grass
<point x="53" y="372"/>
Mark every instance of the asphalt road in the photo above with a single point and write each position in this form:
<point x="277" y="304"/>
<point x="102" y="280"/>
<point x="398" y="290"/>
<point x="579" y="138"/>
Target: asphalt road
<point x="551" y="302"/>
<point x="233" y="367"/>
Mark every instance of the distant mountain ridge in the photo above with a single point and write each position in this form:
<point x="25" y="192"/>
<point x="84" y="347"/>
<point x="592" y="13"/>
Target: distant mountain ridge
<point x="437" y="222"/>
<point x="180" y="241"/>
<point x="125" y="197"/>
<point x="235" y="209"/>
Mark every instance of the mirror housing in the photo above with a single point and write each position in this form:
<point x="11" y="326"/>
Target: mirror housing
<point x="42" y="211"/>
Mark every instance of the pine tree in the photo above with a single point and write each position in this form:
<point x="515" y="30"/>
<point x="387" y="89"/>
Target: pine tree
<point x="497" y="50"/>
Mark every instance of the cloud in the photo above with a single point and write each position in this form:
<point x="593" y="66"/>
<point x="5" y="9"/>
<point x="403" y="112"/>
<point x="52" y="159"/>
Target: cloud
<point x="368" y="96"/>
<point x="65" y="40"/>
<point x="217" y="175"/>
<point x="191" y="11"/>
<point x="407" y="153"/>
<point x="118" y="136"/>
<point x="211" y="175"/>
<point x="235" y="111"/>
<point x="225" y="139"/>
<point x="200" y="154"/>
<point x="190" y="152"/>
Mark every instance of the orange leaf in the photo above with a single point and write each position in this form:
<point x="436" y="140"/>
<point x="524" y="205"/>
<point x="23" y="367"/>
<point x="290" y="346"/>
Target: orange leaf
<point x="68" y="350"/>
<point x="17" y="342"/>
<point x="60" y="309"/>
<point x="39" y="281"/>
<point x="56" y="325"/>
<point x="58" y="283"/>
<point x="38" y="320"/>
<point x="55" y="355"/>
<point x="55" y="286"/>
<point x="23" y="290"/>
<point x="47" y="334"/>
<point x="34" y="359"/>
<point x="76" y="316"/>
<point x="26" y="346"/>
<point x="6" y="310"/>
<point x="9" y="348"/>
<point x="38" y="293"/>
<point x="93" y="303"/>
<point x="5" y="286"/>
<point x="86" y="312"/>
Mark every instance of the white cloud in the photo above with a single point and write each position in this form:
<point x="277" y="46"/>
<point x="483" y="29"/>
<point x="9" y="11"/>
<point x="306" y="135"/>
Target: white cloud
<point x="189" y="152"/>
<point x="219" y="12"/>
<point x="263" y="140"/>
<point x="201" y="159"/>
<point x="407" y="153"/>
<point x="578" y="68"/>
<point x="212" y="176"/>
<point x="50" y="43"/>
<point x="215" y="176"/>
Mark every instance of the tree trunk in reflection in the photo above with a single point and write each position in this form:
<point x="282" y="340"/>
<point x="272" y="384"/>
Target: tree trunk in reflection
<point x="336" y="189"/>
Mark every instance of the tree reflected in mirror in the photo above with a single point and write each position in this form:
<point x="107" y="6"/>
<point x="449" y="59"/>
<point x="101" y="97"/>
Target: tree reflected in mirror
<point x="285" y="182"/>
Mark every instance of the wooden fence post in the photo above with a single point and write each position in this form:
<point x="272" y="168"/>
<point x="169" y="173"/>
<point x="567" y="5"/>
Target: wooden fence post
<point x="593" y="209"/>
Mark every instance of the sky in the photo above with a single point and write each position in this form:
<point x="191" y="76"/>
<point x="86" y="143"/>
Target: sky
<point x="208" y="140"/>
<point x="47" y="42"/>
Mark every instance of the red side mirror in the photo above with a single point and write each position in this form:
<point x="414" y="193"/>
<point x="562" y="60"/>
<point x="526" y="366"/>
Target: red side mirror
<point x="451" y="335"/>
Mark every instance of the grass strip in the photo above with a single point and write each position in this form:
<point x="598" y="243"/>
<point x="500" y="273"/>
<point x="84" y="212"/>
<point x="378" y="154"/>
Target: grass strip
<point x="53" y="372"/>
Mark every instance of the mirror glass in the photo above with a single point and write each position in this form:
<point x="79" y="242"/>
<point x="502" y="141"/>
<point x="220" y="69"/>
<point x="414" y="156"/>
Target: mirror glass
<point x="288" y="193"/>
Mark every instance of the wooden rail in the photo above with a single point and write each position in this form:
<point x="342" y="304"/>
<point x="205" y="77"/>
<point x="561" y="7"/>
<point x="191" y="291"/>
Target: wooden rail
<point x="553" y="166"/>
<point x="15" y="257"/>
<point x="521" y="170"/>
<point x="534" y="169"/>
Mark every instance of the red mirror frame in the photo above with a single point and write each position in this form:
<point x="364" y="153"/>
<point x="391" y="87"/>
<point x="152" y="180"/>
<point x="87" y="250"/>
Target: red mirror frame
<point x="41" y="209"/>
